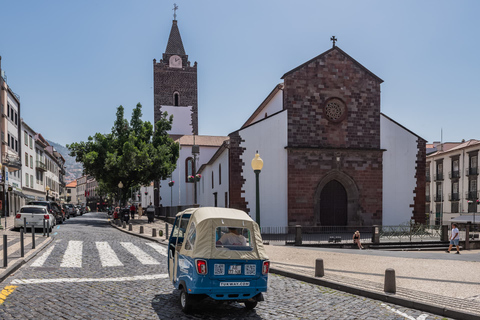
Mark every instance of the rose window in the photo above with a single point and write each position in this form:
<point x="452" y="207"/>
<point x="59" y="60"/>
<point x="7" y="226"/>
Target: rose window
<point x="335" y="110"/>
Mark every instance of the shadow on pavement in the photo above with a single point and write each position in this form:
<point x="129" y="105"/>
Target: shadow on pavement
<point x="167" y="306"/>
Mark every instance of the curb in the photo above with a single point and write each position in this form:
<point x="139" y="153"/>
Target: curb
<point x="443" y="311"/>
<point x="162" y="241"/>
<point x="21" y="261"/>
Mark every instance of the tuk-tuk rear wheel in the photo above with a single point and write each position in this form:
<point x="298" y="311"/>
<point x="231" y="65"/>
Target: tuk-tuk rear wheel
<point x="186" y="301"/>
<point x="250" y="304"/>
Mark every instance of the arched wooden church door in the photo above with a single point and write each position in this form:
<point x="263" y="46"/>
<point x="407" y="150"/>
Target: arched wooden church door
<point x="333" y="204"/>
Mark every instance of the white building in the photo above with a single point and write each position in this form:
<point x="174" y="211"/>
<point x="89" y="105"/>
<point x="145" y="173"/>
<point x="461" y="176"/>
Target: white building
<point x="33" y="165"/>
<point x="452" y="181"/>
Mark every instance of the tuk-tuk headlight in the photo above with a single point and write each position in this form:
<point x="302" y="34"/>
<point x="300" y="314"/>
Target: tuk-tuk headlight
<point x="201" y="266"/>
<point x="266" y="267"/>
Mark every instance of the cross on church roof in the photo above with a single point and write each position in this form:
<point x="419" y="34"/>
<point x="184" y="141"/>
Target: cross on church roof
<point x="175" y="8"/>
<point x="334" y="40"/>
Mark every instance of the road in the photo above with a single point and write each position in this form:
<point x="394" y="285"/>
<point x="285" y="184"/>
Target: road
<point x="93" y="271"/>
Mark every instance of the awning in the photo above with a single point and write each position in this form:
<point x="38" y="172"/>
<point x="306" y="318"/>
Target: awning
<point x="467" y="218"/>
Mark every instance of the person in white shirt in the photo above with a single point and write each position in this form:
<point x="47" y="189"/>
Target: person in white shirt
<point x="232" y="238"/>
<point x="454" y="239"/>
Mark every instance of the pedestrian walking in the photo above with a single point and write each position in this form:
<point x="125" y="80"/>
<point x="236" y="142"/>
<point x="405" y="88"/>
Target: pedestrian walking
<point x="356" y="239"/>
<point x="132" y="211"/>
<point x="454" y="239"/>
<point x="150" y="213"/>
<point x="140" y="210"/>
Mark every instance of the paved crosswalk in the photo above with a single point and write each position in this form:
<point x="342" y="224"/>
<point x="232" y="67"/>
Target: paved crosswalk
<point x="73" y="255"/>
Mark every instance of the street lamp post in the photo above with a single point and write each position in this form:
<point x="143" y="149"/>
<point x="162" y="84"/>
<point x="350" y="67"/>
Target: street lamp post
<point x="257" y="165"/>
<point x="120" y="186"/>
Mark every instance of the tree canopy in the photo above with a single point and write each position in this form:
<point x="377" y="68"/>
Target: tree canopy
<point x="133" y="153"/>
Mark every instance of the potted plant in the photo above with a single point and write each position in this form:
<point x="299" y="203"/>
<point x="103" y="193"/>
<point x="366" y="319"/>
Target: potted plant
<point x="198" y="177"/>
<point x="171" y="183"/>
<point x="191" y="178"/>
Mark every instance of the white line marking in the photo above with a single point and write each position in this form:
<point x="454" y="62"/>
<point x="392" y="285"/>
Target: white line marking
<point x="134" y="278"/>
<point x="141" y="255"/>
<point x="41" y="260"/>
<point x="73" y="255"/>
<point x="420" y="317"/>
<point x="158" y="247"/>
<point x="108" y="258"/>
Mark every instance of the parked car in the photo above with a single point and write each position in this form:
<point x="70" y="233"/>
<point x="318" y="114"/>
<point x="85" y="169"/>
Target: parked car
<point x="53" y="208"/>
<point x="71" y="210"/>
<point x="66" y="210"/>
<point x="219" y="253"/>
<point x="34" y="216"/>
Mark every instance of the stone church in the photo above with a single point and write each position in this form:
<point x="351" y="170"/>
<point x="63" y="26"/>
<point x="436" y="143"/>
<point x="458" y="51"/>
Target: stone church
<point x="331" y="158"/>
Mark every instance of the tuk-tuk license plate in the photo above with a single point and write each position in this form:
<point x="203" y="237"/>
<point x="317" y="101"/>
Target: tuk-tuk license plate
<point x="234" y="284"/>
<point x="234" y="269"/>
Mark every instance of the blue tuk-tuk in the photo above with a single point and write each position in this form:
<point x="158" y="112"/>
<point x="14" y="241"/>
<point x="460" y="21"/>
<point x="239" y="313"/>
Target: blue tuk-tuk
<point x="219" y="253"/>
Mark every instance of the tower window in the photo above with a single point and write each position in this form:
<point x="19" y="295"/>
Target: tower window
<point x="176" y="99"/>
<point x="189" y="168"/>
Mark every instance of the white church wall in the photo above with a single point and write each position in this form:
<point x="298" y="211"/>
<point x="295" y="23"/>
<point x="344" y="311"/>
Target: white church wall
<point x="273" y="106"/>
<point x="206" y="190"/>
<point x="274" y="175"/>
<point x="182" y="193"/>
<point x="182" y="116"/>
<point x="398" y="172"/>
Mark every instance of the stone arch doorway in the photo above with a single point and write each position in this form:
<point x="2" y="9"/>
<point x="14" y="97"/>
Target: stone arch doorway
<point x="333" y="204"/>
<point x="343" y="188"/>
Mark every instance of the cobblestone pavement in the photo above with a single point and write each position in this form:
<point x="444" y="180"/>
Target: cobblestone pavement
<point x="93" y="271"/>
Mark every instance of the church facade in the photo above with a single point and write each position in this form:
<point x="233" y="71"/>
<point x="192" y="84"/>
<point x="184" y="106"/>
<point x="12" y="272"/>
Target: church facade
<point x="331" y="158"/>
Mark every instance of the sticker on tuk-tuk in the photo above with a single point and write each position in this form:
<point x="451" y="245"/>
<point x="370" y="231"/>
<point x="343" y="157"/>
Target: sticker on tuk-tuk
<point x="234" y="284"/>
<point x="218" y="269"/>
<point x="250" y="269"/>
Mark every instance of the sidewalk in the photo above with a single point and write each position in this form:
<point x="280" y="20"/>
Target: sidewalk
<point x="14" y="258"/>
<point x="436" y="282"/>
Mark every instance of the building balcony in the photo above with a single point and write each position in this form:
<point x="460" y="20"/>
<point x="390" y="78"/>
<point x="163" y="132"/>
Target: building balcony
<point x="471" y="195"/>
<point x="454" y="174"/>
<point x="438" y="177"/>
<point x="454" y="197"/>
<point x="41" y="166"/>
<point x="438" y="198"/>
<point x="427" y="198"/>
<point x="12" y="162"/>
<point x="471" y="171"/>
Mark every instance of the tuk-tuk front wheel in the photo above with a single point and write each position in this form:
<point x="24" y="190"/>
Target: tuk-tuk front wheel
<point x="250" y="304"/>
<point x="186" y="301"/>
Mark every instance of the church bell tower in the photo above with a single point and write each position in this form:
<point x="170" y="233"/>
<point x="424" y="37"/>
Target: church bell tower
<point x="175" y="86"/>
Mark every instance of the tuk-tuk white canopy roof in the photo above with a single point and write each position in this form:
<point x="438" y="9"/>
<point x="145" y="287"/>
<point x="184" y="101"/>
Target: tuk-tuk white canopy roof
<point x="207" y="219"/>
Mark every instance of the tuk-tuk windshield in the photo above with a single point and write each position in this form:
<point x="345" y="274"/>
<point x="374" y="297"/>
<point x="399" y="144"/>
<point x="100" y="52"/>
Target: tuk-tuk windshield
<point x="233" y="238"/>
<point x="181" y="226"/>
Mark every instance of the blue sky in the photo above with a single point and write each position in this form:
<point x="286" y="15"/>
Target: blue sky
<point x="74" y="62"/>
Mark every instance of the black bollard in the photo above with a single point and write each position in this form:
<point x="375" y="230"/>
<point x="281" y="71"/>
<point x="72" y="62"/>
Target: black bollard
<point x="166" y="230"/>
<point x="390" y="285"/>
<point x="22" y="249"/>
<point x="319" y="270"/>
<point x="5" y="254"/>
<point x="33" y="238"/>
<point x="24" y="225"/>
<point x="48" y="230"/>
<point x="44" y="222"/>
<point x="141" y="229"/>
<point x="130" y="227"/>
<point x="154" y="232"/>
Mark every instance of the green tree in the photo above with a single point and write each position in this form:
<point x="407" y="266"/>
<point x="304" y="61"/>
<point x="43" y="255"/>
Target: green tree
<point x="132" y="153"/>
